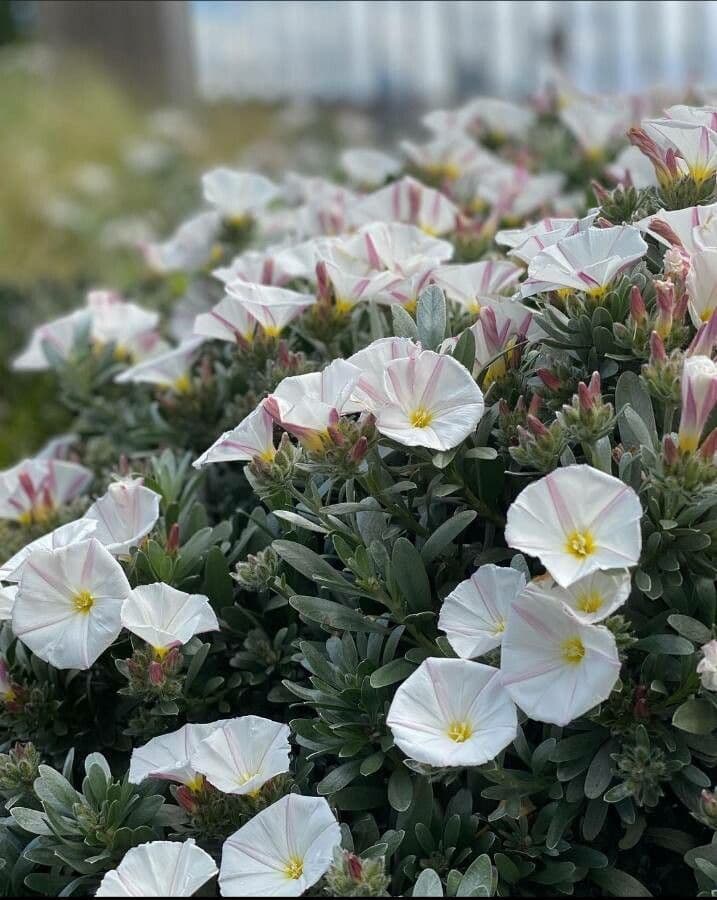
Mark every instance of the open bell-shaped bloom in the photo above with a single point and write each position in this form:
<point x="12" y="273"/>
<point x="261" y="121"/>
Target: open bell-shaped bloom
<point x="34" y="489"/>
<point x="282" y="851"/>
<point x="693" y="145"/>
<point x="352" y="287"/>
<point x="67" y="608"/>
<point x="595" y="123"/>
<point x="256" y="267"/>
<point x="445" y="157"/>
<point x="169" y="371"/>
<point x="369" y="392"/>
<point x="228" y="320"/>
<point x="511" y="192"/>
<point x="410" y="202"/>
<point x="125" y="514"/>
<point x="430" y="401"/>
<point x="237" y="195"/>
<point x="452" y="712"/>
<point x="577" y="520"/>
<point x="405" y="289"/>
<point x="243" y="754"/>
<point x="165" y="617"/>
<point x="58" y="338"/>
<point x="699" y="398"/>
<point x="272" y="307"/>
<point x="398" y="247"/>
<point x="167" y="756"/>
<point x="528" y="241"/>
<point x="555" y="667"/>
<point x="632" y="167"/>
<point x="590" y="599"/>
<point x="589" y="261"/>
<point x="369" y="168"/>
<point x="477" y="284"/>
<point x="159" y="869"/>
<point x="498" y="118"/>
<point x="499" y="332"/>
<point x="473" y="615"/>
<point x="253" y="438"/>
<point x="63" y="536"/>
<point x="7" y="601"/>
<point x="692" y="228"/>
<point x="701" y="286"/>
<point x="300" y="260"/>
<point x="307" y="405"/>
<point x="190" y="247"/>
<point x="130" y="327"/>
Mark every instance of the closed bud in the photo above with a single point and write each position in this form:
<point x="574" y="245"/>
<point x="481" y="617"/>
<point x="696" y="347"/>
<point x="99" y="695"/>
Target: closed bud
<point x="658" y="354"/>
<point x="155" y="673"/>
<point x="173" y="538"/>
<point x="638" y="310"/>
<point x="549" y="379"/>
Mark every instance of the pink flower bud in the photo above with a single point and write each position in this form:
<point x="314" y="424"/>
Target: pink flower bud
<point x="657" y="349"/>
<point x="638" y="310"/>
<point x="155" y="673"/>
<point x="549" y="379"/>
<point x="173" y="538"/>
<point x="669" y="450"/>
<point x="359" y="450"/>
<point x="354" y="866"/>
<point x="536" y="427"/>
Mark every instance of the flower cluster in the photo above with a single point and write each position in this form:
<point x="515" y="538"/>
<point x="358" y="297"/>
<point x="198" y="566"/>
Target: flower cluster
<point x="381" y="555"/>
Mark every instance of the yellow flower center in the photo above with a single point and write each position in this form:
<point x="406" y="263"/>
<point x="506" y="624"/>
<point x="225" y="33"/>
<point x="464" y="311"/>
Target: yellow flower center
<point x="597" y="292"/>
<point x="580" y="544"/>
<point x="564" y="293"/>
<point x="590" y="602"/>
<point x="195" y="784"/>
<point x="160" y="652"/>
<point x="268" y="456"/>
<point x="272" y="331"/>
<point x="475" y="308"/>
<point x="294" y="868"/>
<point x="343" y="306"/>
<point x="183" y="384"/>
<point x="83" y="601"/>
<point x="707" y="314"/>
<point x="459" y="731"/>
<point x="37" y="515"/>
<point x="499" y="626"/>
<point x="701" y="173"/>
<point x="410" y="307"/>
<point x="573" y="651"/>
<point x="421" y="417"/>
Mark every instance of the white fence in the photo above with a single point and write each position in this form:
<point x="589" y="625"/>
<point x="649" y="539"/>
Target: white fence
<point x="433" y="52"/>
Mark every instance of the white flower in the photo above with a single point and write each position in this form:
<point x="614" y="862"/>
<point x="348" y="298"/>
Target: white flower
<point x="253" y="437"/>
<point x="122" y="323"/>
<point x="694" y="145"/>
<point x="478" y="283"/>
<point x="633" y="167"/>
<point x="126" y="513"/>
<point x="159" y="869"/>
<point x="369" y="392"/>
<point x="429" y="401"/>
<point x="307" y="405"/>
<point x="170" y="370"/>
<point x="34" y="489"/>
<point x="67" y="608"/>
<point x="590" y="599"/>
<point x="352" y="287"/>
<point x="237" y="195"/>
<point x="368" y="168"/>
<point x="272" y="307"/>
<point x="243" y="754"/>
<point x="406" y="289"/>
<point x="256" y="267"/>
<point x="452" y="712"/>
<point x="595" y="122"/>
<point x="410" y="202"/>
<point x="702" y="286"/>
<point x="165" y="617"/>
<point x="282" y="851"/>
<point x="167" y="757"/>
<point x="398" y="247"/>
<point x="300" y="260"/>
<point x="229" y="320"/>
<point x="707" y="666"/>
<point x="577" y="520"/>
<point x="499" y="118"/>
<point x="699" y="398"/>
<point x="589" y="261"/>
<point x="555" y="667"/>
<point x="189" y="248"/>
<point x="528" y="241"/>
<point x="690" y="227"/>
<point x="7" y="601"/>
<point x="69" y="533"/>
<point x="511" y="191"/>
<point x="473" y="615"/>
<point x="444" y="158"/>
<point x="58" y="338"/>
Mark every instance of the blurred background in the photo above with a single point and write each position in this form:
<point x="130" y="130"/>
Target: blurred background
<point x="110" y="110"/>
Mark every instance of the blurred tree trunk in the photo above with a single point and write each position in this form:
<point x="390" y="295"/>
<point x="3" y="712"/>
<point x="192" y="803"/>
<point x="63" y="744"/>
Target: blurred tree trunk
<point x="147" y="43"/>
